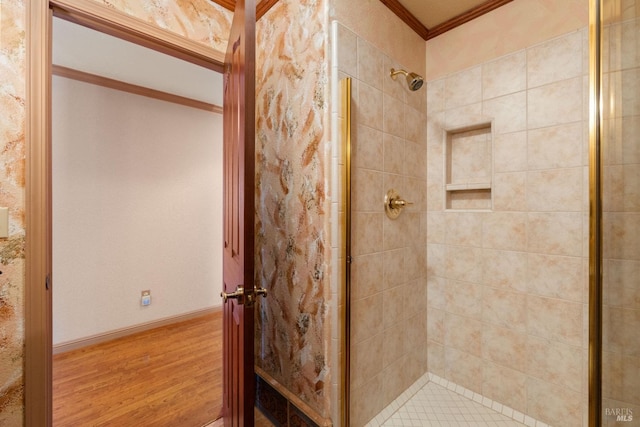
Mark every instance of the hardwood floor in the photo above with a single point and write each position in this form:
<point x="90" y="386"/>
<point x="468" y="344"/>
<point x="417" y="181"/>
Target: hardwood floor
<point x="169" y="376"/>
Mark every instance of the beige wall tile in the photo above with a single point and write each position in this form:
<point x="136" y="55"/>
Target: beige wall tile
<point x="416" y="130"/>
<point x="436" y="292"/>
<point x="367" y="232"/>
<point x="436" y="359"/>
<point x="463" y="263"/>
<point x="462" y="299"/>
<point x="463" y="88"/>
<point x="435" y="95"/>
<point x="368" y="106"/>
<point x="630" y="104"/>
<point x="395" y="231"/>
<point x="367" y="148"/>
<point x="555" y="60"/>
<point x="555" y="319"/>
<point x="436" y="257"/>
<point x="555" y="103"/>
<point x="505" y="230"/>
<point x="630" y="380"/>
<point x="393" y="154"/>
<point x="504" y="308"/>
<point x="506" y="270"/>
<point x="555" y="146"/>
<point x="555" y="233"/>
<point x="366" y="360"/>
<point x="509" y="191"/>
<point x="509" y="112"/>
<point x="415" y="162"/>
<point x="624" y="230"/>
<point x="631" y="188"/>
<point x="415" y="262"/>
<point x="364" y="404"/>
<point x="505" y="385"/>
<point x="463" y="229"/>
<point x="394" y="268"/>
<point x="504" y="75"/>
<point x="368" y="186"/>
<point x="415" y="191"/>
<point x="366" y="275"/>
<point x="510" y="152"/>
<point x="436" y="226"/>
<point x="347" y="51"/>
<point x="555" y="276"/>
<point x="416" y="305"/>
<point x="393" y="116"/>
<point x="464" y="369"/>
<point x="366" y="318"/>
<point x="549" y="403"/>
<point x="554" y="362"/>
<point x="555" y="190"/>
<point x="504" y="347"/>
<point x="394" y="379"/>
<point x="435" y="325"/>
<point x="392" y="306"/>
<point x="463" y="333"/>
<point x="370" y="64"/>
<point x="395" y="343"/>
<point x="464" y="116"/>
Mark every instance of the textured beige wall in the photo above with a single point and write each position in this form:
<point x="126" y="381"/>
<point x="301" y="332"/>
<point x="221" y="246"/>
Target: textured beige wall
<point x="206" y="23"/>
<point x="507" y="29"/>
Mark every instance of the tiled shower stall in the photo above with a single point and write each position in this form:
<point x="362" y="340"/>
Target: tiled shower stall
<point x="496" y="248"/>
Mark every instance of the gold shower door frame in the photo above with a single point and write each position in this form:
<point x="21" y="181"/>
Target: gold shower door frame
<point x="345" y="312"/>
<point x="595" y="214"/>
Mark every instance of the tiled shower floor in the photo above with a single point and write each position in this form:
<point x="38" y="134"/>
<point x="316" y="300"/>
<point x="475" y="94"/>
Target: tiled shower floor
<point x="435" y="405"/>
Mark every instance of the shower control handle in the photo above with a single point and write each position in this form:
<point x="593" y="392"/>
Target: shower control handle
<point x="399" y="203"/>
<point x="393" y="204"/>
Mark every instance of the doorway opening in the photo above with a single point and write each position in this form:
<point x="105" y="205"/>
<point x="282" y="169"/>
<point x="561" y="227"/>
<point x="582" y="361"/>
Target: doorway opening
<point x="136" y="184"/>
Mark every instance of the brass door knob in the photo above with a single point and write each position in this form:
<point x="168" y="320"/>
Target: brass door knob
<point x="237" y="294"/>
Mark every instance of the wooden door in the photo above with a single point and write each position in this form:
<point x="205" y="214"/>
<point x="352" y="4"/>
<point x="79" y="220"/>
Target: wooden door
<point x="239" y="210"/>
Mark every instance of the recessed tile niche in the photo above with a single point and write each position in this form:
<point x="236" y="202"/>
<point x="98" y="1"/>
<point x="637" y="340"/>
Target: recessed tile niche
<point x="468" y="166"/>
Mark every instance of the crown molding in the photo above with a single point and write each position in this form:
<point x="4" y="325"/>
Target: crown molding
<point x="396" y="7"/>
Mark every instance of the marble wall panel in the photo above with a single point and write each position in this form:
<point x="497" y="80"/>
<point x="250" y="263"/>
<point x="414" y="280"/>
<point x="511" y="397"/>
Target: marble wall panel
<point x="293" y="199"/>
<point x="200" y="20"/>
<point x="12" y="179"/>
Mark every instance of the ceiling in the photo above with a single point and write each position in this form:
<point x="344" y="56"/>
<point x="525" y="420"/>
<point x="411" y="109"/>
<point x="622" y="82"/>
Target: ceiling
<point x="432" y="13"/>
<point x="430" y="18"/>
<point x="90" y="51"/>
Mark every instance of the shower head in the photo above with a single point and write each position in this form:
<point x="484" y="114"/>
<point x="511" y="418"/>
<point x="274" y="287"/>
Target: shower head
<point x="414" y="81"/>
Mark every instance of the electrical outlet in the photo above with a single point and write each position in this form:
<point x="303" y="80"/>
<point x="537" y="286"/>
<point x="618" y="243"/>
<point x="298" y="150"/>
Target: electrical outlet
<point x="145" y="300"/>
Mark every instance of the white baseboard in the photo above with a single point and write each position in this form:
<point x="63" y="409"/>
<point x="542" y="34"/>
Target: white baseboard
<point x="130" y="330"/>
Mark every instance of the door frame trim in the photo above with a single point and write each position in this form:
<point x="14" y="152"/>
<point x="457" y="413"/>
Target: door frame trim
<point x="38" y="251"/>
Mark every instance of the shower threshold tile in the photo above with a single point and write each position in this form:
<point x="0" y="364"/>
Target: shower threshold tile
<point x="435" y="405"/>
